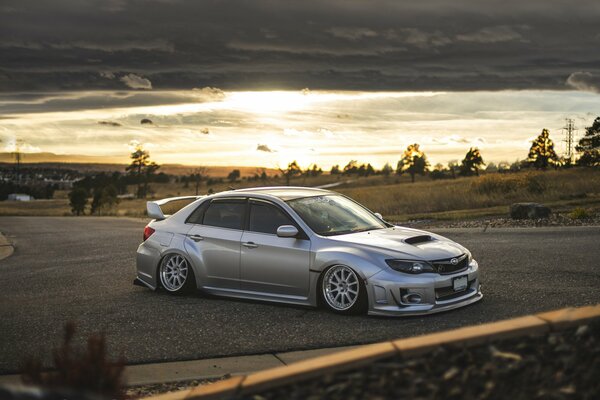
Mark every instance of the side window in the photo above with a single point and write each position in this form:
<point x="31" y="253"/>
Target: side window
<point x="265" y="218"/>
<point x="225" y="214"/>
<point x="197" y="215"/>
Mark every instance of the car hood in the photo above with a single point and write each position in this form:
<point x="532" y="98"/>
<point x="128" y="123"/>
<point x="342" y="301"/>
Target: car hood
<point x="399" y="242"/>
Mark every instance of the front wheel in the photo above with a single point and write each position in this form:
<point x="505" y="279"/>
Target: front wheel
<point x="343" y="291"/>
<point x="176" y="275"/>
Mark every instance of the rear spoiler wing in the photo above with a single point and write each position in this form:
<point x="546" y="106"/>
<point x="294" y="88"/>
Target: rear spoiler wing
<point x="154" y="208"/>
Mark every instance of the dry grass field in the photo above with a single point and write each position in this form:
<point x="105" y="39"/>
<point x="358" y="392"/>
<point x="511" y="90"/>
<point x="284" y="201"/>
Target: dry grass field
<point x="395" y="197"/>
<point x="478" y="196"/>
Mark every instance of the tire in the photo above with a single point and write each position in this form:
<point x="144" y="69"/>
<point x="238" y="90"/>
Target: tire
<point x="176" y="274"/>
<point x="343" y="291"/>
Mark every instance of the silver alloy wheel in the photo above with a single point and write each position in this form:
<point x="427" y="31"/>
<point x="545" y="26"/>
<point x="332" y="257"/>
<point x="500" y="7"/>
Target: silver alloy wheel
<point x="173" y="272"/>
<point x="340" y="287"/>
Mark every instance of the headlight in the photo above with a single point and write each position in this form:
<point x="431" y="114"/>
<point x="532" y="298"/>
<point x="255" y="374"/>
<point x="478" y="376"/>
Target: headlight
<point x="410" y="266"/>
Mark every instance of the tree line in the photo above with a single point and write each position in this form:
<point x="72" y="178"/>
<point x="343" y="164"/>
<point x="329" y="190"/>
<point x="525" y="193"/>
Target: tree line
<point x="541" y="155"/>
<point x="104" y="189"/>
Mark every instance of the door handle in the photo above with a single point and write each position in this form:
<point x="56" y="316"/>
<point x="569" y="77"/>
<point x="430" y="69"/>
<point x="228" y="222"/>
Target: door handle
<point x="196" y="238"/>
<point x="250" y="245"/>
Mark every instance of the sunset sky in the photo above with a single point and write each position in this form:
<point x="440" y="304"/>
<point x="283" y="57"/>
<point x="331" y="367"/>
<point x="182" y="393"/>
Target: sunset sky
<point x="222" y="81"/>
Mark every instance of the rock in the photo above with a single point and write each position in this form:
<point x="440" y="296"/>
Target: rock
<point x="529" y="211"/>
<point x="582" y="330"/>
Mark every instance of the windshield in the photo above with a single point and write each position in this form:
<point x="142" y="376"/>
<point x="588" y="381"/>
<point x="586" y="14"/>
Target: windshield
<point x="335" y="215"/>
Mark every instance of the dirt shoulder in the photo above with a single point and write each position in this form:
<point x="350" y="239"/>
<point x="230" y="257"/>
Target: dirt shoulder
<point x="6" y="248"/>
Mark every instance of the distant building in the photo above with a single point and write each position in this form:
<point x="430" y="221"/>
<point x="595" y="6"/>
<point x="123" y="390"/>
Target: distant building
<point x="20" y="197"/>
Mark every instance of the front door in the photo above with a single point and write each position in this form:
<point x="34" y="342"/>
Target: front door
<point x="272" y="264"/>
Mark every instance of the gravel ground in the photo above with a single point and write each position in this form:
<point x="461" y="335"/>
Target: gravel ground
<point x="500" y="222"/>
<point x="140" y="391"/>
<point x="563" y="365"/>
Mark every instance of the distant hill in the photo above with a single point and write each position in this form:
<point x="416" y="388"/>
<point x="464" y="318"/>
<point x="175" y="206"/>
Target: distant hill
<point x="61" y="158"/>
<point x="94" y="163"/>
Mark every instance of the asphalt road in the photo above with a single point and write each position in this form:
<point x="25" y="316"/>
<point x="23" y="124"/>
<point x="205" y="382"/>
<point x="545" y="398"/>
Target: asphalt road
<point x="81" y="269"/>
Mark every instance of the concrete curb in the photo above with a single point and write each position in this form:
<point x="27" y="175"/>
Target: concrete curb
<point x="6" y="248"/>
<point x="209" y="368"/>
<point x="529" y="325"/>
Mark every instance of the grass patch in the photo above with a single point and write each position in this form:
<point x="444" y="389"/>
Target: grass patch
<point x="580" y="213"/>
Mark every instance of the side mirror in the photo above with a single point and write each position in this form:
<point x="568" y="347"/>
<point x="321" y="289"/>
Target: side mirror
<point x="379" y="216"/>
<point x="287" y="231"/>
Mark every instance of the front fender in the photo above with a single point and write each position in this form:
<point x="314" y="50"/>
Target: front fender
<point x="366" y="264"/>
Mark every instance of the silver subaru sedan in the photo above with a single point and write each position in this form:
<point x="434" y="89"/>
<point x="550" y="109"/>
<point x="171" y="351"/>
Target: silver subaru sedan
<point x="304" y="246"/>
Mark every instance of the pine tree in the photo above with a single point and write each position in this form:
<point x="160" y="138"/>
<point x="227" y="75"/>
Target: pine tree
<point x="387" y="169"/>
<point x="542" y="154"/>
<point x="142" y="169"/>
<point x="589" y="145"/>
<point x="78" y="200"/>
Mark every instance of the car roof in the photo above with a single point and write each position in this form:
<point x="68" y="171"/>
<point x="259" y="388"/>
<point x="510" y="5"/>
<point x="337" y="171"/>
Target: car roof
<point x="285" y="193"/>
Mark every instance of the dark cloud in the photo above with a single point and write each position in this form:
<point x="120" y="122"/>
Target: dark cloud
<point x="584" y="81"/>
<point x="109" y="123"/>
<point x="265" y="148"/>
<point x="337" y="44"/>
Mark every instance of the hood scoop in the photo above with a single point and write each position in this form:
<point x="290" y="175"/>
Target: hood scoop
<point x="418" y="239"/>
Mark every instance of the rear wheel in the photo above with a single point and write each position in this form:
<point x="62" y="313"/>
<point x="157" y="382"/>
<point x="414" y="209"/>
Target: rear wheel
<point x="343" y="291"/>
<point x="176" y="275"/>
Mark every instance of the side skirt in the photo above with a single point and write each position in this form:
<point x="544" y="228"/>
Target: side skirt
<point x="243" y="294"/>
<point x="139" y="282"/>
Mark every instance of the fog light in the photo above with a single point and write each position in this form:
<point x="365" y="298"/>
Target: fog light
<point x="411" y="298"/>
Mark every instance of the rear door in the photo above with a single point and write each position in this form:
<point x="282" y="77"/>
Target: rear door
<point x="213" y="243"/>
<point x="272" y="264"/>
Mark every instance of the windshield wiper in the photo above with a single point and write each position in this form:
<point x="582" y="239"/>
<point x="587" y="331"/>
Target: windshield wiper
<point x="347" y="231"/>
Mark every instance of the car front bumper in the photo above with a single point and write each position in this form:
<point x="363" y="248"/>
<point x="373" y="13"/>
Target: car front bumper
<point x="390" y="292"/>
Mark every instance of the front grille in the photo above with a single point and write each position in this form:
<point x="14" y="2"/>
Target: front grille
<point x="451" y="265"/>
<point x="448" y="293"/>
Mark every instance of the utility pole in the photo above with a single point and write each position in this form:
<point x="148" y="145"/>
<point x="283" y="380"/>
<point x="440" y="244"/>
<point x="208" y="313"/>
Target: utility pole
<point x="18" y="157"/>
<point x="569" y="130"/>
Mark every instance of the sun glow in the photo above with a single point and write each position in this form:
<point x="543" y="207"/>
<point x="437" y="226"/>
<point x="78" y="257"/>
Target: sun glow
<point x="267" y="102"/>
<point x="274" y="128"/>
